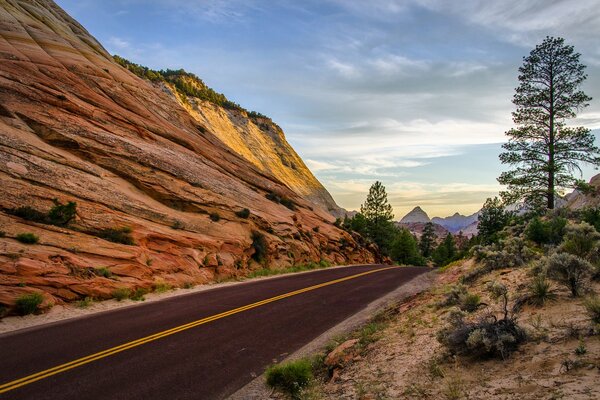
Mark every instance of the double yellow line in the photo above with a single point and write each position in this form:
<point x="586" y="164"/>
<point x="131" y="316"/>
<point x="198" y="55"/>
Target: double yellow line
<point x="126" y="346"/>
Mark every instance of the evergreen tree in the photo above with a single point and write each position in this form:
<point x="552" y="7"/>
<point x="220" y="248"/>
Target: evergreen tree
<point x="492" y="219"/>
<point x="358" y="224"/>
<point x="543" y="152"/>
<point x="427" y="240"/>
<point x="445" y="252"/>
<point x="378" y="215"/>
<point x="404" y="249"/>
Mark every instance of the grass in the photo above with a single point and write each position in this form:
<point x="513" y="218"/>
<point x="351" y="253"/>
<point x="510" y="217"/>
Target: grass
<point x="28" y="303"/>
<point x="592" y="306"/>
<point x="290" y="377"/>
<point x="121" y="293"/>
<point x="28" y="238"/>
<point x="296" y="268"/>
<point x="540" y="291"/>
<point x="138" y="294"/>
<point x="84" y="303"/>
<point x="162" y="287"/>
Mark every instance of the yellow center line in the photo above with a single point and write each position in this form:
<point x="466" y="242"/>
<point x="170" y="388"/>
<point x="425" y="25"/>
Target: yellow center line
<point x="117" y="349"/>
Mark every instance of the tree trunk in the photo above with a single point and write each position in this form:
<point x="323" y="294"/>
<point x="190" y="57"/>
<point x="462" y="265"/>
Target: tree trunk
<point x="550" y="195"/>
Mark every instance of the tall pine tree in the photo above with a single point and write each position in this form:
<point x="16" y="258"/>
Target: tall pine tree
<point x="543" y="152"/>
<point x="428" y="239"/>
<point x="378" y="214"/>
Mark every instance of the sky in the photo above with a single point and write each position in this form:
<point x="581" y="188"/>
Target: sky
<point x="413" y="93"/>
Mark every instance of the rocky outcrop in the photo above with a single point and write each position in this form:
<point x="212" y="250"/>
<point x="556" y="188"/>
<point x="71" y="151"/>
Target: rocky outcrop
<point x="77" y="127"/>
<point x="417" y="215"/>
<point x="590" y="198"/>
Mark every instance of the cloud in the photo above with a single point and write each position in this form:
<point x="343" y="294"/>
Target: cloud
<point x="118" y="43"/>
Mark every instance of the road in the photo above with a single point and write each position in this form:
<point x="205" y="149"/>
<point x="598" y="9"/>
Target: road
<point x="203" y="345"/>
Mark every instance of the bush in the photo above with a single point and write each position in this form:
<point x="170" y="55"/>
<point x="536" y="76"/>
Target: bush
<point x="259" y="243"/>
<point x="119" y="235"/>
<point x="592" y="217"/>
<point x="105" y="272"/>
<point x="85" y="303"/>
<point x="121" y="293"/>
<point x="28" y="238"/>
<point x="487" y="337"/>
<point x="274" y="197"/>
<point x="62" y="214"/>
<point x="245" y="213"/>
<point x="28" y="303"/>
<point x="546" y="232"/>
<point x="580" y="240"/>
<point x="28" y="213"/>
<point x="592" y="306"/>
<point x="290" y="377"/>
<point x="177" y="224"/>
<point x="138" y="294"/>
<point x="288" y="203"/>
<point x="569" y="270"/>
<point x="540" y="291"/>
<point x="162" y="287"/>
<point x="215" y="217"/>
<point x="459" y="296"/>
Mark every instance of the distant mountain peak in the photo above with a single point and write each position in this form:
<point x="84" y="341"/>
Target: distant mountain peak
<point x="416" y="215"/>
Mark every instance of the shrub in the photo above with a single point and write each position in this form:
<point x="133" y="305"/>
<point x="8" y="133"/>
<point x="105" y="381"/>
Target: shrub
<point x="273" y="197"/>
<point x="470" y="302"/>
<point x="84" y="303"/>
<point x="62" y="214"/>
<point x="592" y="217"/>
<point x="29" y="213"/>
<point x="540" y="291"/>
<point x="592" y="306"/>
<point x="215" y="217"/>
<point x="290" y="377"/>
<point x="580" y="240"/>
<point x="28" y="303"/>
<point x="546" y="232"/>
<point x="28" y="238"/>
<point x="121" y="293"/>
<point x="162" y="287"/>
<point x="138" y="294"/>
<point x="245" y="213"/>
<point x="105" y="272"/>
<point x="487" y="337"/>
<point x="259" y="243"/>
<point x="118" y="235"/>
<point x="460" y="297"/>
<point x="2" y="234"/>
<point x="177" y="224"/>
<point x="288" y="203"/>
<point x="569" y="270"/>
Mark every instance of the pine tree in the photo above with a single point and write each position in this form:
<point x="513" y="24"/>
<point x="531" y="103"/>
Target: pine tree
<point x="404" y="249"/>
<point x="378" y="214"/>
<point x="492" y="219"/>
<point x="427" y="240"/>
<point x="445" y="252"/>
<point x="543" y="152"/>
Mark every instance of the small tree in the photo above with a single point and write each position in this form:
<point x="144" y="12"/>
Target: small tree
<point x="492" y="219"/>
<point x="542" y="150"/>
<point x="404" y="249"/>
<point x="378" y="214"/>
<point x="427" y="240"/>
<point x="445" y="252"/>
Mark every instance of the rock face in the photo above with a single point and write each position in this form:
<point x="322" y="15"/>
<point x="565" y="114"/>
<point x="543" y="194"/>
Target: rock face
<point x="456" y="222"/>
<point x="417" y="215"/>
<point x="77" y="127"/>
<point x="577" y="200"/>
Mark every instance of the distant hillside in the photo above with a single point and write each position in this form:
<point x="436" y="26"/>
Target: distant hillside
<point x="456" y="222"/>
<point x="417" y="215"/>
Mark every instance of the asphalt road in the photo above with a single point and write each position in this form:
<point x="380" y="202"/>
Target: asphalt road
<point x="204" y="345"/>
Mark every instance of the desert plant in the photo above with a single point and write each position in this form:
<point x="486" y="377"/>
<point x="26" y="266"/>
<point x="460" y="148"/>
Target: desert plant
<point x="592" y="306"/>
<point x="28" y="213"/>
<point x="215" y="217"/>
<point x="546" y="232"/>
<point x="581" y="349"/>
<point x="138" y="294"/>
<point x="259" y="243"/>
<point x="117" y="235"/>
<point x="244" y="213"/>
<point x="540" y="291"/>
<point x="121" y="293"/>
<point x="28" y="303"/>
<point x="580" y="240"/>
<point x="162" y="287"/>
<point x="290" y="377"/>
<point x="569" y="270"/>
<point x="28" y="238"/>
<point x="62" y="214"/>
<point x="177" y="224"/>
<point x="85" y="302"/>
<point x="103" y="271"/>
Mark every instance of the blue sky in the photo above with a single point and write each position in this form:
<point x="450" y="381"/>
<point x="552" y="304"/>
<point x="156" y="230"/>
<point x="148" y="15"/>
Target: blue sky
<point x="414" y="93"/>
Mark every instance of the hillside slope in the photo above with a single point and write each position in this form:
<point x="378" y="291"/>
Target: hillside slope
<point x="77" y="127"/>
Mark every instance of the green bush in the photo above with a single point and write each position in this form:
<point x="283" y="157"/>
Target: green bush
<point x="177" y="224"/>
<point x="121" y="293"/>
<point x="546" y="232"/>
<point x="162" y="287"/>
<point x="103" y="271"/>
<point x="290" y="377"/>
<point x="540" y="291"/>
<point x="215" y="217"/>
<point x="29" y="213"/>
<point x="28" y="303"/>
<point x="592" y="306"/>
<point x="459" y="296"/>
<point x="569" y="270"/>
<point x="592" y="217"/>
<point x="138" y="294"/>
<point x="259" y="243"/>
<point x="118" y="235"/>
<point x="28" y="238"/>
<point x="580" y="240"/>
<point x="245" y="213"/>
<point x="288" y="203"/>
<point x="62" y="214"/>
<point x="84" y="303"/>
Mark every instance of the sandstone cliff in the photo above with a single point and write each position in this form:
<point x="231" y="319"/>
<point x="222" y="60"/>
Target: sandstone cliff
<point x="192" y="203"/>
